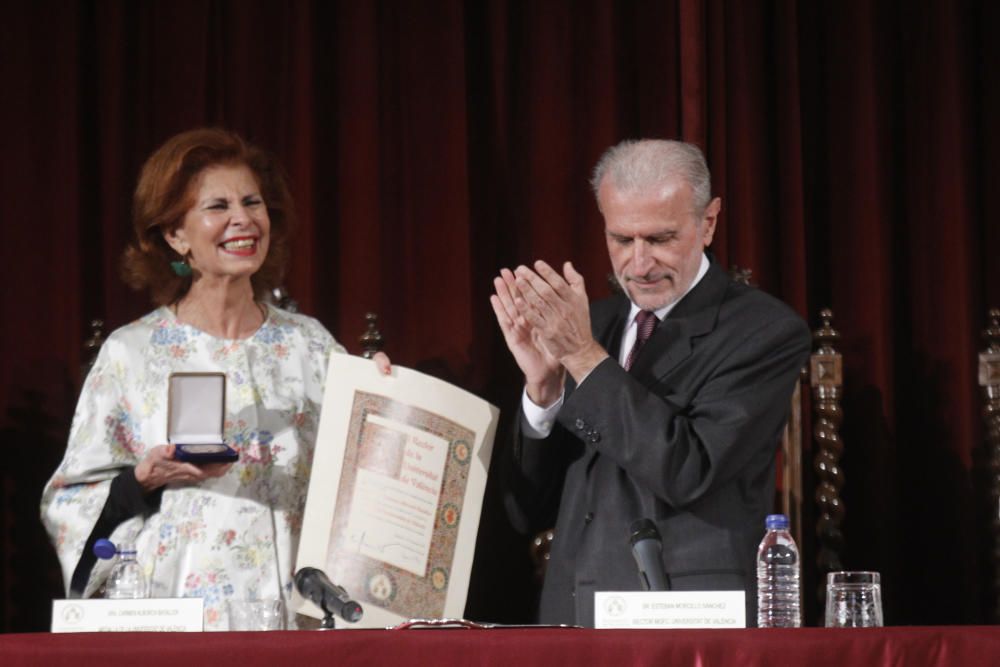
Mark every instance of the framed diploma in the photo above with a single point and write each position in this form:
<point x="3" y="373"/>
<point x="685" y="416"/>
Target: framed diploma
<point x="396" y="491"/>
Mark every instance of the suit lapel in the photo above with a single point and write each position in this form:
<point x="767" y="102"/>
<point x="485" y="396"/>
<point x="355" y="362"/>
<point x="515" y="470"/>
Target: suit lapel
<point x="609" y="333"/>
<point x="694" y="316"/>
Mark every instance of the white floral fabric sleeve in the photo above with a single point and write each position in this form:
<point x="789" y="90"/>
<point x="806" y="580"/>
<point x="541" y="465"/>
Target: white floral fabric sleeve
<point x="101" y="443"/>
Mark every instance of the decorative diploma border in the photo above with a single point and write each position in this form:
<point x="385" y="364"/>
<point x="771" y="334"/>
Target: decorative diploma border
<point x="378" y="449"/>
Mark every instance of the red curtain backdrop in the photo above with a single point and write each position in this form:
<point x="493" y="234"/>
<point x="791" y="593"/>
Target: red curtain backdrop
<point x="855" y="145"/>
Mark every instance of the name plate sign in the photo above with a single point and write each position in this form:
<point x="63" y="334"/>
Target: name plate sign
<point x="145" y="615"/>
<point x="670" y="609"/>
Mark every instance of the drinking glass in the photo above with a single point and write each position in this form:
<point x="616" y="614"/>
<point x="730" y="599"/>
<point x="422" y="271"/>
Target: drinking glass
<point x="256" y="614"/>
<point x="853" y="600"/>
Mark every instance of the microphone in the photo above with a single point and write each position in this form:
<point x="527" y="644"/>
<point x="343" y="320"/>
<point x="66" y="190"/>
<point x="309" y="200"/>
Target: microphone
<point x="314" y="585"/>
<point x="647" y="548"/>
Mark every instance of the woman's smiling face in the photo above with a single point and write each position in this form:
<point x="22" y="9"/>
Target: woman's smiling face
<point x="227" y="227"/>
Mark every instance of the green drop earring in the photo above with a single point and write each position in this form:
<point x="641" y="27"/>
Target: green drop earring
<point x="181" y="268"/>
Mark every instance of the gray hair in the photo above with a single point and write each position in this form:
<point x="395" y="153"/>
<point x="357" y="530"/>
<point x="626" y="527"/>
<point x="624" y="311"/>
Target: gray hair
<point x="637" y="165"/>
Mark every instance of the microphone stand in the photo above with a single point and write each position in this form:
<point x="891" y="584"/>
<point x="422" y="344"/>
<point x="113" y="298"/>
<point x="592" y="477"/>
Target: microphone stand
<point x="328" y="620"/>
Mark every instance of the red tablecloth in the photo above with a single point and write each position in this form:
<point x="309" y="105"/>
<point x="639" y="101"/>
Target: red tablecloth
<point x="958" y="646"/>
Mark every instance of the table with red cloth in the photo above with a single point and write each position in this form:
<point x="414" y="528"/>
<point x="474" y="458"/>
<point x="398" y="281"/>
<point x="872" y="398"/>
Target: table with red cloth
<point x="952" y="646"/>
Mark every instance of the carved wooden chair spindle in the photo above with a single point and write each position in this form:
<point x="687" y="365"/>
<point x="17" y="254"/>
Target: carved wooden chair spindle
<point x="989" y="381"/>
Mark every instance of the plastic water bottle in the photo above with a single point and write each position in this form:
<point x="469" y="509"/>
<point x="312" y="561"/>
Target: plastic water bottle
<point x="127" y="580"/>
<point x="778" y="589"/>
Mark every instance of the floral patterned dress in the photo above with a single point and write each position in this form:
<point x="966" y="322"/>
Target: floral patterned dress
<point x="234" y="537"/>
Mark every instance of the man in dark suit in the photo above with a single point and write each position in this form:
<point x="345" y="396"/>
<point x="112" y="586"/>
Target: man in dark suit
<point x="665" y="402"/>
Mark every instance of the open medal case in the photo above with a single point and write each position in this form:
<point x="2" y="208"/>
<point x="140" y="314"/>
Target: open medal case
<point x="196" y="409"/>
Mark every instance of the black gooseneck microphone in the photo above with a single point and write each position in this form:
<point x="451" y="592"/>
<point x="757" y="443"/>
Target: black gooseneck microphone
<point x="314" y="585"/>
<point x="647" y="548"/>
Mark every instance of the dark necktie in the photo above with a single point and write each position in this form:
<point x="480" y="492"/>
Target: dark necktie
<point x="645" y="322"/>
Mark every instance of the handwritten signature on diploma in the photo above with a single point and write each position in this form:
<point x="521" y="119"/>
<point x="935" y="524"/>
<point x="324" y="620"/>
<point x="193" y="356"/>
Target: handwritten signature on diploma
<point x="405" y="553"/>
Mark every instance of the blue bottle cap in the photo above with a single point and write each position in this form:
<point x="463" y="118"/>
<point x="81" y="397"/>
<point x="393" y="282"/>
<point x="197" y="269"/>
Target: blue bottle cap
<point x="104" y="549"/>
<point x="776" y="522"/>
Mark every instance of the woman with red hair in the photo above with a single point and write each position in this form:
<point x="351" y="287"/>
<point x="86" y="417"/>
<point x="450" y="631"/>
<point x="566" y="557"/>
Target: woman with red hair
<point x="212" y="215"/>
